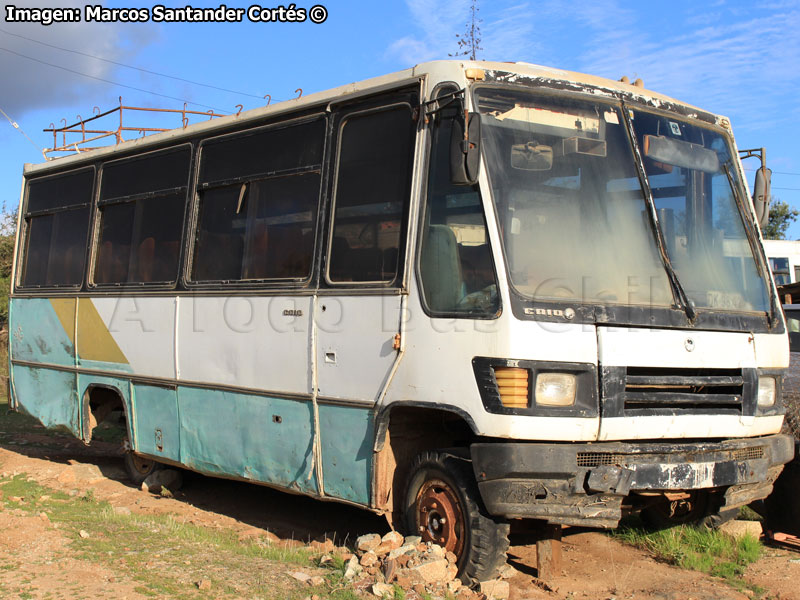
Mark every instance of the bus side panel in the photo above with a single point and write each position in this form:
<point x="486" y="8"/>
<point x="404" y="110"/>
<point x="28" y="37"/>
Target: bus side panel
<point x="128" y="334"/>
<point x="48" y="395"/>
<point x="347" y="434"/>
<point x="97" y="346"/>
<point x="43" y="330"/>
<point x="253" y="437"/>
<point x="156" y="417"/>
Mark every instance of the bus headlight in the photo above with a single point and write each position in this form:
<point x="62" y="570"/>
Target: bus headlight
<point x="766" y="391"/>
<point x="555" y="389"/>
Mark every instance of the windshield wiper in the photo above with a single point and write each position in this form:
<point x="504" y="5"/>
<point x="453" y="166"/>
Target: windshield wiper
<point x="677" y="289"/>
<point x="751" y="235"/>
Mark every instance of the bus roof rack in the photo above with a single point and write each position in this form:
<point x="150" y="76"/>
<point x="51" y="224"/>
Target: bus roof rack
<point x="77" y="137"/>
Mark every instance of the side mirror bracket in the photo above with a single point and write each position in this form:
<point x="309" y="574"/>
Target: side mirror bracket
<point x="465" y="148"/>
<point x="761" y="186"/>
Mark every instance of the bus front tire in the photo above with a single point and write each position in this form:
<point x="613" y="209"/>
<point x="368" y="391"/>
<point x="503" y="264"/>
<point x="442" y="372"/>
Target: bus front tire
<point x="442" y="505"/>
<point x="140" y="468"/>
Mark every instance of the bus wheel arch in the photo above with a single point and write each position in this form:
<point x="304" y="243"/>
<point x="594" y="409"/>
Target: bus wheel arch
<point x="98" y="405"/>
<point x="422" y="460"/>
<point x="403" y="431"/>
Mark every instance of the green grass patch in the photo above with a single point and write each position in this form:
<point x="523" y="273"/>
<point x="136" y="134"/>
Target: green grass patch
<point x="167" y="557"/>
<point x="748" y="514"/>
<point x="699" y="549"/>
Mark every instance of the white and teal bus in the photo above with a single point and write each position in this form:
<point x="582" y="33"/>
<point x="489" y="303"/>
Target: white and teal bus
<point x="460" y="295"/>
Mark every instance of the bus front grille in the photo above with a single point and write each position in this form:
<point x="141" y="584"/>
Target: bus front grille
<point x="652" y="390"/>
<point x="597" y="459"/>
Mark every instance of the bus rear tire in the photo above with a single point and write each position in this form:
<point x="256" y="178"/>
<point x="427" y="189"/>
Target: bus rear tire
<point x="442" y="505"/>
<point x="140" y="468"/>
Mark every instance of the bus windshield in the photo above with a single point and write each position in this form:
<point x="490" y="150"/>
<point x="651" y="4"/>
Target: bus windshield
<point x="694" y="185"/>
<point x="574" y="218"/>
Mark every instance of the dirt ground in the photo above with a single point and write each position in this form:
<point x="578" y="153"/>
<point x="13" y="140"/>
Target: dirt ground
<point x="36" y="553"/>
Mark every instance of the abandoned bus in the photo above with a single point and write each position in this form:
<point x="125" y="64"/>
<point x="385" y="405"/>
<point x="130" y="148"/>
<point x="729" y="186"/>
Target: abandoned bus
<point x="459" y="295"/>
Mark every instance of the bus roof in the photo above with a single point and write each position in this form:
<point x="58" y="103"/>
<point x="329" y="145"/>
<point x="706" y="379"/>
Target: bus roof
<point x="439" y="70"/>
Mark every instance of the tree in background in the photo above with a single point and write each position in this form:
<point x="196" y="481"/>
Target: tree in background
<point x="8" y="230"/>
<point x="781" y="215"/>
<point x="470" y="42"/>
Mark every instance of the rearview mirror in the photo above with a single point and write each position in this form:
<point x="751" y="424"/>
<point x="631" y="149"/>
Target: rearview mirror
<point x="680" y="154"/>
<point x="532" y="157"/>
<point x="761" y="195"/>
<point x="465" y="149"/>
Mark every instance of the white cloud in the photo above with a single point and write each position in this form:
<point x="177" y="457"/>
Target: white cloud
<point x="437" y="22"/>
<point x="29" y="85"/>
<point x="506" y="32"/>
<point x="742" y="64"/>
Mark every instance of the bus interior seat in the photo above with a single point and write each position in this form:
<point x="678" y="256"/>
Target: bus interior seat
<point x="145" y="259"/>
<point x="219" y="256"/>
<point x="112" y="263"/>
<point x="255" y="262"/>
<point x="166" y="265"/>
<point x="365" y="263"/>
<point x="442" y="268"/>
<point x="62" y="266"/>
<point x="284" y="252"/>
<point x="476" y="267"/>
<point x="339" y="260"/>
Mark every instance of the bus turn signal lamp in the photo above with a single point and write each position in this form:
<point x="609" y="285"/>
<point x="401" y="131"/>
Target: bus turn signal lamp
<point x="512" y="385"/>
<point x="555" y="389"/>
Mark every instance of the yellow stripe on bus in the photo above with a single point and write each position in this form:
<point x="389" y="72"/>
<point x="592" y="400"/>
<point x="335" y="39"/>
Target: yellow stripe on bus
<point x="95" y="341"/>
<point x="65" y="311"/>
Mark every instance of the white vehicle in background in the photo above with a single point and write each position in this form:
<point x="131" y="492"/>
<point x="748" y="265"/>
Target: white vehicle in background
<point x="460" y="295"/>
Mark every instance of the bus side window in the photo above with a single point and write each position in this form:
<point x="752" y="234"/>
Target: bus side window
<point x="141" y="209"/>
<point x="262" y="225"/>
<point x="372" y="195"/>
<point x="56" y="222"/>
<point x="455" y="265"/>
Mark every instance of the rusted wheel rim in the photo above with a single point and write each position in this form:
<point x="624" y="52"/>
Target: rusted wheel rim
<point x="440" y="518"/>
<point x="142" y="465"/>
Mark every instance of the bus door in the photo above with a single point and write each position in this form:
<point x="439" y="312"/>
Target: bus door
<point x="357" y="312"/>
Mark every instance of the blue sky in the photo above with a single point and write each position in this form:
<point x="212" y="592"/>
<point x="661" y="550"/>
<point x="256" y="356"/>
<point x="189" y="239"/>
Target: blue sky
<point x="736" y="58"/>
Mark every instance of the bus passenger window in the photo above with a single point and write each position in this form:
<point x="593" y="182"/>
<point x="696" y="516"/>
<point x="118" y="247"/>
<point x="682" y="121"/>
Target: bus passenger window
<point x="372" y="195"/>
<point x="56" y="222"/>
<point x="258" y="200"/>
<point x="265" y="232"/>
<point x="141" y="210"/>
<point x="455" y="262"/>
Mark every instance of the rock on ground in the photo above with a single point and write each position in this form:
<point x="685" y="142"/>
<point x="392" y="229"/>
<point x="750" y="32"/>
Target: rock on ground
<point x="739" y="529"/>
<point x="163" y="478"/>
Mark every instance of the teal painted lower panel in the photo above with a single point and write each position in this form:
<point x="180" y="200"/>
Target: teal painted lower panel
<point x="37" y="335"/>
<point x="108" y="367"/>
<point x="49" y="396"/>
<point x="254" y="437"/>
<point x="347" y="434"/>
<point x="157" y="425"/>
